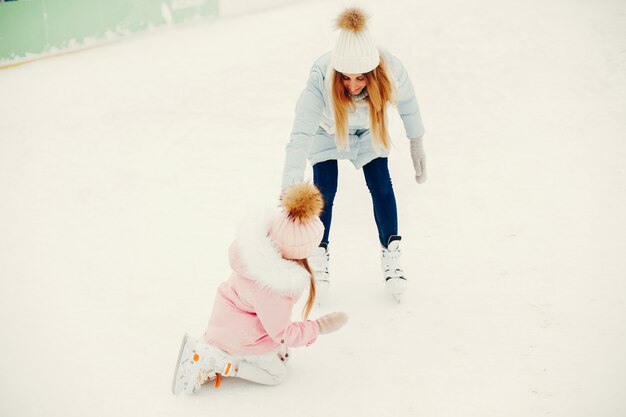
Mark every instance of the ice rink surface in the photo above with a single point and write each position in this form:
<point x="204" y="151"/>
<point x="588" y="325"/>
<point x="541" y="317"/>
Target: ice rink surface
<point x="126" y="169"/>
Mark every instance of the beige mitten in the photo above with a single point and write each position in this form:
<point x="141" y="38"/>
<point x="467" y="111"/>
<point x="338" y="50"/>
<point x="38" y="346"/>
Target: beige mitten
<point x="332" y="322"/>
<point x="419" y="159"/>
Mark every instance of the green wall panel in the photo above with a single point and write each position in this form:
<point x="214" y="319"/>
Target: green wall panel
<point x="36" y="26"/>
<point x="21" y="28"/>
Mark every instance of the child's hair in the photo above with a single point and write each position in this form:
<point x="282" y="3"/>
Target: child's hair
<point x="309" y="302"/>
<point x="380" y="92"/>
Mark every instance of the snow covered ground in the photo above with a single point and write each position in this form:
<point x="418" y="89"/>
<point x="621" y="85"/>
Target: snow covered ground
<point x="125" y="170"/>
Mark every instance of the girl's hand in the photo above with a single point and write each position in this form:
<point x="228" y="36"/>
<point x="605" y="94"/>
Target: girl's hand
<point x="332" y="322"/>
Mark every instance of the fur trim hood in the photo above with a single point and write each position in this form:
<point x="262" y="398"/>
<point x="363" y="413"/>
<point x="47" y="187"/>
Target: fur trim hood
<point x="255" y="256"/>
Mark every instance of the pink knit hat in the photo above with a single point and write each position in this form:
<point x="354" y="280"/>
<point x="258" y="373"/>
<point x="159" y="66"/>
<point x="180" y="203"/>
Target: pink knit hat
<point x="297" y="230"/>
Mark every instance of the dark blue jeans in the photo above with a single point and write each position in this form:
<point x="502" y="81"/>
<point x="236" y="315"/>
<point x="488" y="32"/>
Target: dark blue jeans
<point x="378" y="181"/>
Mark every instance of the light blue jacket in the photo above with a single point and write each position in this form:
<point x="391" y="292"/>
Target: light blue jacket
<point x="313" y="133"/>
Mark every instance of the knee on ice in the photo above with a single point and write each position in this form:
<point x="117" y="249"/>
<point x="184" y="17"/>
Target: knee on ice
<point x="278" y="377"/>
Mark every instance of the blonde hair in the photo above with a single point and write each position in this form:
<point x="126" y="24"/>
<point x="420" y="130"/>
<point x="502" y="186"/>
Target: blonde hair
<point x="309" y="302"/>
<point x="380" y="92"/>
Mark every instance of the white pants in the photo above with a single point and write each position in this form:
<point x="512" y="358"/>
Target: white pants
<point x="267" y="369"/>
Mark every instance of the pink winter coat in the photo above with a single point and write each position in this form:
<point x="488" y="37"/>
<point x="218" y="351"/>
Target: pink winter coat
<point x="252" y="310"/>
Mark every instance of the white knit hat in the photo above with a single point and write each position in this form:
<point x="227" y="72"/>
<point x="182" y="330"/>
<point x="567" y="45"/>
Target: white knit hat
<point x="355" y="51"/>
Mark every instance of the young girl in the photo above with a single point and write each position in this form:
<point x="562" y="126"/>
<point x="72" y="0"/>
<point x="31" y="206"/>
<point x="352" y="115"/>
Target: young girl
<point x="342" y="114"/>
<point x="250" y="328"/>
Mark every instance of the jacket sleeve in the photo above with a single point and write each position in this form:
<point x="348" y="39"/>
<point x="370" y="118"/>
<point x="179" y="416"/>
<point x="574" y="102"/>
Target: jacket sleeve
<point x="407" y="103"/>
<point x="307" y="119"/>
<point x="275" y="316"/>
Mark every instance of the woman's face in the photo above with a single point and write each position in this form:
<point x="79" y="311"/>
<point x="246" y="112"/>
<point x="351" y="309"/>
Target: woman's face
<point x="354" y="83"/>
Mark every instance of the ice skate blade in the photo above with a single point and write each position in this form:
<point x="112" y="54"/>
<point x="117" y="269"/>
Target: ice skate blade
<point x="176" y="370"/>
<point x="396" y="286"/>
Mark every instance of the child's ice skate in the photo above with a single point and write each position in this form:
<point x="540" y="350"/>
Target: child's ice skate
<point x="395" y="281"/>
<point x="197" y="363"/>
<point x="318" y="261"/>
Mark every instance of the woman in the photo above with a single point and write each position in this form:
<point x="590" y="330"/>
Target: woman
<point x="341" y="114"/>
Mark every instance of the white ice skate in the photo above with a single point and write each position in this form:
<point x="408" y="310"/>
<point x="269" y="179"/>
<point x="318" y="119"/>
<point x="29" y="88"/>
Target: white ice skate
<point x="395" y="281"/>
<point x="318" y="261"/>
<point x="197" y="363"/>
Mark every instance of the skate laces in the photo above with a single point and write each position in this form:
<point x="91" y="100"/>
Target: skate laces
<point x="213" y="365"/>
<point x="227" y="372"/>
<point x="318" y="261"/>
<point x="390" y="261"/>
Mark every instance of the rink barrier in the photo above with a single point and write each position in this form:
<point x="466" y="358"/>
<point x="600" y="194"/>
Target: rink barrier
<point x="33" y="29"/>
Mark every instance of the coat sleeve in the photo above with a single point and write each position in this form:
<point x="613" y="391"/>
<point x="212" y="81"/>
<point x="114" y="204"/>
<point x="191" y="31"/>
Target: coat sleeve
<point x="307" y="119"/>
<point x="275" y="316"/>
<point x="407" y="103"/>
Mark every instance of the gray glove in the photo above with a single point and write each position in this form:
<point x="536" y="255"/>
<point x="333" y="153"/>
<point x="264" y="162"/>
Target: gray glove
<point x="332" y="322"/>
<point x="419" y="159"/>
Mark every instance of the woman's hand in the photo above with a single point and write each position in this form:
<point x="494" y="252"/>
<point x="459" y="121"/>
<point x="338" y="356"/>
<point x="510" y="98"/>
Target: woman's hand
<point x="419" y="159"/>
